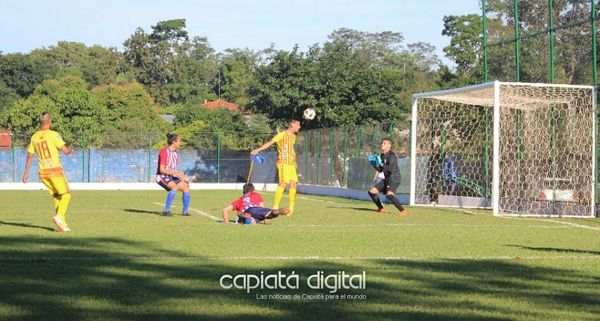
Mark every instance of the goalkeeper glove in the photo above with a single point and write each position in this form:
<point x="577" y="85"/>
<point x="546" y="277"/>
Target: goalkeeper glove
<point x="375" y="161"/>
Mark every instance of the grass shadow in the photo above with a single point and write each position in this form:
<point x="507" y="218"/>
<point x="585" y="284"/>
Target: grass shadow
<point x="554" y="249"/>
<point x="134" y="210"/>
<point x="95" y="279"/>
<point x="27" y="225"/>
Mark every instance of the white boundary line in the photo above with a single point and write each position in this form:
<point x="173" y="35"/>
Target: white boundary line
<point x="553" y="221"/>
<point x="299" y="258"/>
<point x="214" y="218"/>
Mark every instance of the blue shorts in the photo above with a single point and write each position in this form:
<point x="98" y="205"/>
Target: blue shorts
<point x="164" y="180"/>
<point x="258" y="213"/>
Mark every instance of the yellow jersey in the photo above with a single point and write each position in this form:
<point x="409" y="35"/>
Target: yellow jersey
<point x="46" y="144"/>
<point x="285" y="148"/>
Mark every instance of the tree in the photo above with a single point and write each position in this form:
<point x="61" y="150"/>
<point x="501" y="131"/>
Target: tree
<point x="22" y="73"/>
<point x="131" y="114"/>
<point x="96" y="65"/>
<point x="171" y="67"/>
<point x="465" y="48"/>
<point x="237" y="69"/>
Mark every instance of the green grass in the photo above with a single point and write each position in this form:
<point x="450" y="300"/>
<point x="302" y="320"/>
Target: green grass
<point x="125" y="262"/>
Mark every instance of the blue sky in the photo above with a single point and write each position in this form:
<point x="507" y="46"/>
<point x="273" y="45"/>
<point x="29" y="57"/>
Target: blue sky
<point x="254" y="24"/>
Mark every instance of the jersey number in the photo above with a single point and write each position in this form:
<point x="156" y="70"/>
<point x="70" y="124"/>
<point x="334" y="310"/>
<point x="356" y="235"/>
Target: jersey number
<point x="43" y="149"/>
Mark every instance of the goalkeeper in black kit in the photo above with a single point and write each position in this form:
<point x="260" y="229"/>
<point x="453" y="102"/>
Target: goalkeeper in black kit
<point x="387" y="163"/>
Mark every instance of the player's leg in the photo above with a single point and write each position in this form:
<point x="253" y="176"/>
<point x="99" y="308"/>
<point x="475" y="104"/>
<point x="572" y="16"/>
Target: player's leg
<point x="281" y="187"/>
<point x="292" y="175"/>
<point x="184" y="187"/>
<point x="390" y="190"/>
<point x="171" y="187"/>
<point x="59" y="189"/>
<point x="374" y="194"/>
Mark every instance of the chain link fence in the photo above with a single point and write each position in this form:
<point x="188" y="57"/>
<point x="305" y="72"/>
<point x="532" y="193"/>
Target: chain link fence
<point x="326" y="156"/>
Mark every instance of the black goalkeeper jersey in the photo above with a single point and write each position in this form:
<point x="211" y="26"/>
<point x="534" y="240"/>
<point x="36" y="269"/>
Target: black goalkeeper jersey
<point x="390" y="166"/>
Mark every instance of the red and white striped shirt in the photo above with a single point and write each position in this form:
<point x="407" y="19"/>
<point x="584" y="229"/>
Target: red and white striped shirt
<point x="168" y="158"/>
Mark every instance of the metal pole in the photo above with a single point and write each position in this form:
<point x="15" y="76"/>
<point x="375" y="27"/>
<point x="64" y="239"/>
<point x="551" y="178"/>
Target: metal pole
<point x="344" y="172"/>
<point x="486" y="159"/>
<point x="306" y="152"/>
<point x="83" y="147"/>
<point x="218" y="157"/>
<point x="149" y="155"/>
<point x="551" y="36"/>
<point x="484" y="45"/>
<point x="331" y="152"/>
<point x="13" y="157"/>
<point x="517" y="42"/>
<point x="374" y="141"/>
<point x="595" y="76"/>
<point x="318" y="155"/>
<point x="359" y="137"/>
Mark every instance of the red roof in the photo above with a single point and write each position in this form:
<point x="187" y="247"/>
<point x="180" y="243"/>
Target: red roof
<point x="220" y="103"/>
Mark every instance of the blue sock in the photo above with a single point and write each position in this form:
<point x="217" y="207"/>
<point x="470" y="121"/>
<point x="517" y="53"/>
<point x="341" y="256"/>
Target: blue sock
<point x="186" y="202"/>
<point x="170" y="198"/>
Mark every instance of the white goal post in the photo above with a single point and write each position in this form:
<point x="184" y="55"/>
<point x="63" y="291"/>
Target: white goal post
<point x="521" y="149"/>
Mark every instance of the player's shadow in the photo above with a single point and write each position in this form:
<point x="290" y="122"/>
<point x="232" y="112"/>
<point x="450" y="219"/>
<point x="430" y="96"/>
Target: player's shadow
<point x="364" y="209"/>
<point x="135" y="210"/>
<point x="554" y="249"/>
<point x="27" y="225"/>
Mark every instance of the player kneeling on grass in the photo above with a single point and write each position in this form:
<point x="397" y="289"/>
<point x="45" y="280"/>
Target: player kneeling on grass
<point x="387" y="163"/>
<point x="250" y="208"/>
<point x="169" y="178"/>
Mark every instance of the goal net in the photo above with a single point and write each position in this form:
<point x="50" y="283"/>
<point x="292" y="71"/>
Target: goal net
<point x="520" y="149"/>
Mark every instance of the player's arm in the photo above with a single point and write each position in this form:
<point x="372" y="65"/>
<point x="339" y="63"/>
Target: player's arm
<point x="66" y="150"/>
<point x="165" y="171"/>
<point x="27" y="166"/>
<point x="225" y="212"/>
<point x="263" y="147"/>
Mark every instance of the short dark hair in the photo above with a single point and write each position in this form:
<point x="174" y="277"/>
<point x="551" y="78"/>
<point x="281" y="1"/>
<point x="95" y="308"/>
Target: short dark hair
<point x="248" y="188"/>
<point x="389" y="140"/>
<point x="43" y="116"/>
<point x="293" y="121"/>
<point x="171" y="138"/>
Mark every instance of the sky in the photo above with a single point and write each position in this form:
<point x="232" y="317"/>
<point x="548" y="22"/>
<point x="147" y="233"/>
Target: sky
<point x="253" y="24"/>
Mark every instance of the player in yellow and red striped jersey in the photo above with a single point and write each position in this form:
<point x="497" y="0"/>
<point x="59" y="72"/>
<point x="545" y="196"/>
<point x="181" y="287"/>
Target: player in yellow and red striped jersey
<point x="286" y="163"/>
<point x="46" y="143"/>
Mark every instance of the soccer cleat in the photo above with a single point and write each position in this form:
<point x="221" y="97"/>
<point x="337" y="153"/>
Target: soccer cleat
<point x="380" y="210"/>
<point x="166" y="213"/>
<point x="433" y="203"/>
<point x="281" y="211"/>
<point x="60" y="226"/>
<point x="403" y="213"/>
<point x="185" y="214"/>
<point x="290" y="211"/>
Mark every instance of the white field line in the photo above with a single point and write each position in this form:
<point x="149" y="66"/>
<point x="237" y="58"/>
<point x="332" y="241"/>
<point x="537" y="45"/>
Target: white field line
<point x="426" y="225"/>
<point x="569" y="224"/>
<point x="214" y="218"/>
<point x="298" y="258"/>
<point x="338" y="203"/>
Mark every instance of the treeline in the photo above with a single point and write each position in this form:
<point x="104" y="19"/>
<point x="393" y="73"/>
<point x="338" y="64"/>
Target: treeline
<point x="353" y="78"/>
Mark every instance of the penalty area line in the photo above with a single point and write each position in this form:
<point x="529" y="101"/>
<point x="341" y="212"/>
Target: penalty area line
<point x="214" y="218"/>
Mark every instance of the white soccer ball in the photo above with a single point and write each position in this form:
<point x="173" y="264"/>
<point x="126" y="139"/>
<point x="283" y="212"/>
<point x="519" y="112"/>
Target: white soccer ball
<point x="309" y="114"/>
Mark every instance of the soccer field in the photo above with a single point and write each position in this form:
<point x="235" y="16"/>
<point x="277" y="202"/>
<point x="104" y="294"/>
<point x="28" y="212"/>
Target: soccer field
<point x="123" y="261"/>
